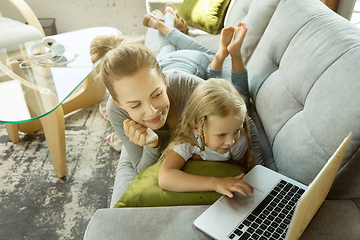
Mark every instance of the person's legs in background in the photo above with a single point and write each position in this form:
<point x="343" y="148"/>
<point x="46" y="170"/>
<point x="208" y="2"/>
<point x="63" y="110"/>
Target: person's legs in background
<point x="112" y="139"/>
<point x="166" y="47"/>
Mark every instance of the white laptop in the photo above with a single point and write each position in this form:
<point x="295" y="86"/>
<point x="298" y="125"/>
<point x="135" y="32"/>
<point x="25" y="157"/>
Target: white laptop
<point x="279" y="208"/>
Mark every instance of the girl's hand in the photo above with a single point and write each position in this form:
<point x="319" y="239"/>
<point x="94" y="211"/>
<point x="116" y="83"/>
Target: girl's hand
<point x="136" y="133"/>
<point x="231" y="184"/>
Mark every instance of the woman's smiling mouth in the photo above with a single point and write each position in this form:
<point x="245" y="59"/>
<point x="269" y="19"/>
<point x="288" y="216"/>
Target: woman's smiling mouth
<point x="154" y="120"/>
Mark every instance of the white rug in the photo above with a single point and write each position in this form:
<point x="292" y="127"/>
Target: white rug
<point x="34" y="202"/>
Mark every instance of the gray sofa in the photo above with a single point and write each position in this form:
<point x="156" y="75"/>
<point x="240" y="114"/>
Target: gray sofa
<point x="304" y="80"/>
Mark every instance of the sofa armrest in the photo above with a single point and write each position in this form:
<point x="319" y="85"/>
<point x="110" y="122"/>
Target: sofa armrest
<point x="335" y="219"/>
<point x="145" y="223"/>
<point x="28" y="14"/>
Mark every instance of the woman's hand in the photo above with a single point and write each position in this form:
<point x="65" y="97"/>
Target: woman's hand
<point x="229" y="185"/>
<point x="136" y="133"/>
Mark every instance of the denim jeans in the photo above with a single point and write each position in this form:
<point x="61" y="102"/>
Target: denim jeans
<point x="180" y="52"/>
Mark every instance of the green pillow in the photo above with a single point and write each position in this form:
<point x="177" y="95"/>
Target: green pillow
<point x="144" y="190"/>
<point x="206" y="15"/>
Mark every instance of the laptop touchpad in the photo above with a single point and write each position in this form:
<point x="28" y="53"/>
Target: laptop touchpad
<point x="243" y="204"/>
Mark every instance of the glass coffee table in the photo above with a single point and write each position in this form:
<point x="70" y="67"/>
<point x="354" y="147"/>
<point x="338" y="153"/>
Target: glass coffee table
<point x="36" y="94"/>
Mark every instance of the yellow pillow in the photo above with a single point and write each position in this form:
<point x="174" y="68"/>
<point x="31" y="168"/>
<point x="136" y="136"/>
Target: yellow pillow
<point x="144" y="190"/>
<point x="207" y="15"/>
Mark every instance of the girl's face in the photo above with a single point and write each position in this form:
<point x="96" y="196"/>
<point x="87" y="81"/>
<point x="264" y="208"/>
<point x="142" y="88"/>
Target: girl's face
<point x="221" y="133"/>
<point x="144" y="97"/>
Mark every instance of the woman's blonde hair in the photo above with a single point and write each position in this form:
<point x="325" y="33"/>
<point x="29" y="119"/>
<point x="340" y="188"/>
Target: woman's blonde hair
<point x="121" y="57"/>
<point x="213" y="97"/>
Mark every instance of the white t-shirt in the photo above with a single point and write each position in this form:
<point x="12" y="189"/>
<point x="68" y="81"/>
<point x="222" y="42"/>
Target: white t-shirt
<point x="236" y="152"/>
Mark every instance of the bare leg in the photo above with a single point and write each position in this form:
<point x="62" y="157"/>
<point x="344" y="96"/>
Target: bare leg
<point x="235" y="46"/>
<point x="222" y="52"/>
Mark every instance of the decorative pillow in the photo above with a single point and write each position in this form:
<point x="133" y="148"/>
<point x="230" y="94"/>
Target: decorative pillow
<point x="144" y="190"/>
<point x="206" y="15"/>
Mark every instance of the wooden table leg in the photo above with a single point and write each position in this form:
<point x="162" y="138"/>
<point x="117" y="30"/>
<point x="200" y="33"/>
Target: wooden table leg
<point x="54" y="130"/>
<point x="12" y="131"/>
<point x="30" y="127"/>
<point x="54" y="124"/>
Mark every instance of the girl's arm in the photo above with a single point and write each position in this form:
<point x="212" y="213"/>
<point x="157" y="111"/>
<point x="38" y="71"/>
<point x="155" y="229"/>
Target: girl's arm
<point x="172" y="178"/>
<point x="240" y="81"/>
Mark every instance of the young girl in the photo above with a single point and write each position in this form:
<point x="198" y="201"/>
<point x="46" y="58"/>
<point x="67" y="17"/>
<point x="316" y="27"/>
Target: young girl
<point x="213" y="127"/>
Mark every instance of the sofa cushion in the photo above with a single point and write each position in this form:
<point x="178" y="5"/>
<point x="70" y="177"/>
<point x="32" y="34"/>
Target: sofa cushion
<point x="207" y="15"/>
<point x="144" y="190"/>
<point x="160" y="223"/>
<point x="346" y="183"/>
<point x="14" y="33"/>
<point x="256" y="14"/>
<point x="265" y="148"/>
<point x="335" y="219"/>
<point x="303" y="77"/>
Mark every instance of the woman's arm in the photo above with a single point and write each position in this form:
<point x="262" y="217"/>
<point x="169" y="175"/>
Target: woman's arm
<point x="138" y="134"/>
<point x="172" y="178"/>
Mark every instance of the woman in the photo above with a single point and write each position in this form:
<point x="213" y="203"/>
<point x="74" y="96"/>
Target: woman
<point x="148" y="91"/>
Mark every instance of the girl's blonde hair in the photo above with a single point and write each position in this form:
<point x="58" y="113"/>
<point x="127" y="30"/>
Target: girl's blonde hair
<point x="121" y="57"/>
<point x="213" y="97"/>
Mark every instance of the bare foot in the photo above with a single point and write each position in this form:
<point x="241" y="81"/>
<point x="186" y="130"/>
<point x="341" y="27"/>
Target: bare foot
<point x="225" y="40"/>
<point x="240" y="32"/>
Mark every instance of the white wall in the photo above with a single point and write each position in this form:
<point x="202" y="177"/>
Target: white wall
<point x="126" y="15"/>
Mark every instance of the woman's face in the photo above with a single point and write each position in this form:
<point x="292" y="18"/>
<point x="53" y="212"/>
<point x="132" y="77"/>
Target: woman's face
<point x="144" y="97"/>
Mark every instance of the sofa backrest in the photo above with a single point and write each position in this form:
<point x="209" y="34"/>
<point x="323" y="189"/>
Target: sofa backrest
<point x="256" y="14"/>
<point x="304" y="78"/>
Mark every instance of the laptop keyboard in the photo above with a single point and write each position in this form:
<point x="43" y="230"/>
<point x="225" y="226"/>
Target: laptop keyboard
<point x="271" y="218"/>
